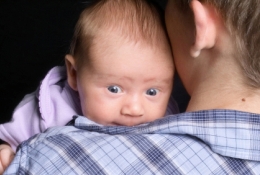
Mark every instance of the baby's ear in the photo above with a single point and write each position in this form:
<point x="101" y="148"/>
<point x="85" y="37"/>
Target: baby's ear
<point x="71" y="71"/>
<point x="205" y="26"/>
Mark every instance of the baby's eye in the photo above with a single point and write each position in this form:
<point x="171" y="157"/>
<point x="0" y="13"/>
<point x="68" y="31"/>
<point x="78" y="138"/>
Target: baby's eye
<point x="114" y="89"/>
<point x="152" y="92"/>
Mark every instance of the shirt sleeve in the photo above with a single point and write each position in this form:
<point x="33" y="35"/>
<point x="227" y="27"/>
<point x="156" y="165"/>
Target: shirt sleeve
<point x="26" y="122"/>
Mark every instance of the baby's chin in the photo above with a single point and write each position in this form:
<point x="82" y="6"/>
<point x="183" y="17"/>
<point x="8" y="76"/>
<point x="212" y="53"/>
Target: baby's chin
<point x="123" y="123"/>
<point x="125" y="120"/>
<point x="132" y="122"/>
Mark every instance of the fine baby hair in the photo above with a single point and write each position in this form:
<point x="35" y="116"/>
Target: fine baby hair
<point x="139" y="20"/>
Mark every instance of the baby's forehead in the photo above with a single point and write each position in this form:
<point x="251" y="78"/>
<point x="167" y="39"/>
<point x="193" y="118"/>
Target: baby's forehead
<point x="121" y="53"/>
<point x="112" y="43"/>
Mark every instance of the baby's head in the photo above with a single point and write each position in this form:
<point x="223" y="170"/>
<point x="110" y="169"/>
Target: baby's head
<point x="120" y="62"/>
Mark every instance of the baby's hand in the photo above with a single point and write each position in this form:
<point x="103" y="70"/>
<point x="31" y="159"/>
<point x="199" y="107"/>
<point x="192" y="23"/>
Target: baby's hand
<point x="6" y="157"/>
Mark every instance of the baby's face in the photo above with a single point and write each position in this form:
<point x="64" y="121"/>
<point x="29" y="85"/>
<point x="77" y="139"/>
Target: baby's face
<point x="126" y="83"/>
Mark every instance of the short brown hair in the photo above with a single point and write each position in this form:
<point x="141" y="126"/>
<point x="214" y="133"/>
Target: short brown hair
<point x="242" y="18"/>
<point x="133" y="19"/>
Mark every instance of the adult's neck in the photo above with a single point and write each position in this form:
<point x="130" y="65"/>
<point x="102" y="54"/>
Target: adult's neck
<point x="223" y="86"/>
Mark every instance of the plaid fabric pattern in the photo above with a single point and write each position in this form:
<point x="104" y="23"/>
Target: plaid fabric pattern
<point x="203" y="142"/>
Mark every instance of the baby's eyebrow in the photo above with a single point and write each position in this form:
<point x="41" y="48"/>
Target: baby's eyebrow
<point x="158" y="80"/>
<point x="102" y="77"/>
<point x="105" y="76"/>
<point x="165" y="80"/>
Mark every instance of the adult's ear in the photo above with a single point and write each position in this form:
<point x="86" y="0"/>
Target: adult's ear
<point x="71" y="71"/>
<point x="205" y="26"/>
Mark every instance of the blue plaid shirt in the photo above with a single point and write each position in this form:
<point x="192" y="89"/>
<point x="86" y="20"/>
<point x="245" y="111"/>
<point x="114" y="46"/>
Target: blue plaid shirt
<point x="203" y="142"/>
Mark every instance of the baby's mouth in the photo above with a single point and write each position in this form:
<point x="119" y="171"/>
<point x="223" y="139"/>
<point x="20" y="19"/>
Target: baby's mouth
<point x="126" y="124"/>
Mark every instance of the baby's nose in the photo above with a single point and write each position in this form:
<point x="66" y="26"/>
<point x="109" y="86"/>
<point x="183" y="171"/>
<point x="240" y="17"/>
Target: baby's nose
<point x="133" y="107"/>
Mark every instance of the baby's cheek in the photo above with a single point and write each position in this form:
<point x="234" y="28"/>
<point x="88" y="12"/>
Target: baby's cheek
<point x="156" y="113"/>
<point x="99" y="114"/>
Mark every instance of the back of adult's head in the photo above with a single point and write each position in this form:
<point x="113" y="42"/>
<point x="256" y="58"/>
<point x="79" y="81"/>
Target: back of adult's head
<point x="242" y="18"/>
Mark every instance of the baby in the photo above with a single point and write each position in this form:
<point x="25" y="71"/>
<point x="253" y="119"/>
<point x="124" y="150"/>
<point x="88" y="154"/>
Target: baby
<point x="119" y="72"/>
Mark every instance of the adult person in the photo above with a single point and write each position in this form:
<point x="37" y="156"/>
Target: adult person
<point x="215" y="49"/>
<point x="219" y="133"/>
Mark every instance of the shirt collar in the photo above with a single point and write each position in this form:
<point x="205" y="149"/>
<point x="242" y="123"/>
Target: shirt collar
<point x="227" y="132"/>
